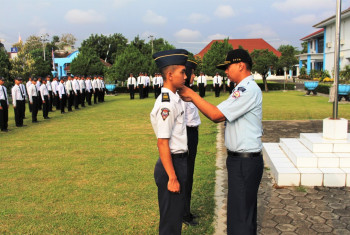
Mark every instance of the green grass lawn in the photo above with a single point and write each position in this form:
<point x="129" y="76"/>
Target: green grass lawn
<point x="91" y="171"/>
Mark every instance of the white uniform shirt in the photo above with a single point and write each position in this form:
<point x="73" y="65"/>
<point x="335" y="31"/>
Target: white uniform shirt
<point x="161" y="81"/>
<point x="3" y="94"/>
<point x="102" y="84"/>
<point x="140" y="80"/>
<point x="131" y="81"/>
<point x="69" y="86"/>
<point x="94" y="84"/>
<point x="38" y="85"/>
<point x="16" y="94"/>
<point x="217" y="80"/>
<point x="99" y="84"/>
<point x="88" y="85"/>
<point x="147" y="81"/>
<point x="43" y="91"/>
<point x="156" y="80"/>
<point x="48" y="85"/>
<point x="168" y="120"/>
<point x="82" y="85"/>
<point x="54" y="86"/>
<point x="28" y="84"/>
<point x="76" y="86"/>
<point x="61" y="90"/>
<point x="32" y="91"/>
<point x="192" y="115"/>
<point x="23" y="90"/>
<point x="202" y="79"/>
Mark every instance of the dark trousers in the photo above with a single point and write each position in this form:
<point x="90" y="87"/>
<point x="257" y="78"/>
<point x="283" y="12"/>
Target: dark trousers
<point x="171" y="205"/>
<point x="132" y="91"/>
<point x="156" y="90"/>
<point x="82" y="98"/>
<point x="88" y="96"/>
<point x="30" y="106"/>
<point x="24" y="108"/>
<point x="35" y="106"/>
<point x="76" y="100"/>
<point x="232" y="86"/>
<point x="141" y="92"/>
<point x="50" y="100"/>
<point x="192" y="143"/>
<point x="145" y="91"/>
<point x="57" y="101"/>
<point x="103" y="94"/>
<point x="217" y="90"/>
<point x="40" y="102"/>
<point x="4" y="115"/>
<point x="95" y="96"/>
<point x="201" y="89"/>
<point x="46" y="106"/>
<point x="100" y="95"/>
<point x="19" y="113"/>
<point x="70" y="100"/>
<point x="63" y="101"/>
<point x="244" y="176"/>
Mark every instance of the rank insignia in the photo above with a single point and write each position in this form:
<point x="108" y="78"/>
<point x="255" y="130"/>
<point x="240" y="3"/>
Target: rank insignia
<point x="242" y="89"/>
<point x="165" y="113"/>
<point x="165" y="97"/>
<point x="236" y="94"/>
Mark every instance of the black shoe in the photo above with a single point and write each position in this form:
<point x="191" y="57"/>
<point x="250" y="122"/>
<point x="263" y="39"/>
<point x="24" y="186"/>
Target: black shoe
<point x="193" y="216"/>
<point x="46" y="118"/>
<point x="189" y="222"/>
<point x="63" y="112"/>
<point x="34" y="121"/>
<point x="4" y="130"/>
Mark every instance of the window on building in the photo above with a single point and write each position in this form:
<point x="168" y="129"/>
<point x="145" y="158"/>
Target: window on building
<point x="320" y="45"/>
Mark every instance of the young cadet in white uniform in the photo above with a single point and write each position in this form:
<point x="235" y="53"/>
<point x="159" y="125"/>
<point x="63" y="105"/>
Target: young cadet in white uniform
<point x="169" y="125"/>
<point x="38" y="85"/>
<point x="27" y="87"/>
<point x="156" y="85"/>
<point x="33" y="99"/>
<point x="82" y="90"/>
<point x="24" y="93"/>
<point x="95" y="88"/>
<point x="201" y="83"/>
<point x="192" y="123"/>
<point x="70" y="93"/>
<point x="49" y="88"/>
<point x="242" y="112"/>
<point x="17" y="102"/>
<point x="4" y="106"/>
<point x="62" y="93"/>
<point x="44" y="92"/>
<point x="76" y="89"/>
<point x="54" y="86"/>
<point x="131" y="85"/>
<point x="141" y="84"/>
<point x="217" y="82"/>
<point x="88" y="85"/>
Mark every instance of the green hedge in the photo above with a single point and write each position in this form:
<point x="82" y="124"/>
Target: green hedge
<point x="271" y="86"/>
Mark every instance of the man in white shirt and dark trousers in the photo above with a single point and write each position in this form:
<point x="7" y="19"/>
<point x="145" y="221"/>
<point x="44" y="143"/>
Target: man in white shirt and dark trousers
<point x="88" y="86"/>
<point x="131" y="85"/>
<point x="49" y="88"/>
<point x="141" y="85"/>
<point x="76" y="89"/>
<point x="4" y="105"/>
<point x="27" y="88"/>
<point x="69" y="88"/>
<point x="33" y="99"/>
<point x="217" y="82"/>
<point x="38" y="85"/>
<point x="62" y="94"/>
<point x="192" y="123"/>
<point x="56" y="100"/>
<point x="95" y="89"/>
<point x="202" y="83"/>
<point x="82" y="90"/>
<point x="24" y="92"/>
<point x="18" y="102"/>
<point x="156" y="85"/>
<point x="44" y="92"/>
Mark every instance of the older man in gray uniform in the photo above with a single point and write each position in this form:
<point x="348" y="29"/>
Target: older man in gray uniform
<point x="242" y="112"/>
<point x="169" y="125"/>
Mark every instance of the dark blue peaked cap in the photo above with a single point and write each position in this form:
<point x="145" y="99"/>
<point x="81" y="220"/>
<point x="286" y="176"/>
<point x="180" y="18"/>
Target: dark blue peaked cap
<point x="170" y="57"/>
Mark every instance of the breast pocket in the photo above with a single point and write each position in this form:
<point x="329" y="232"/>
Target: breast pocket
<point x="180" y="125"/>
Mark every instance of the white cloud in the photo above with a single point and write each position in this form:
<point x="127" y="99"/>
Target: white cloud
<point x="121" y="3"/>
<point x="217" y="36"/>
<point x="77" y="16"/>
<point x="196" y="18"/>
<point x="152" y="18"/>
<point x="224" y="11"/>
<point x="259" y="31"/>
<point x="307" y="19"/>
<point x="187" y="35"/>
<point x="288" y="5"/>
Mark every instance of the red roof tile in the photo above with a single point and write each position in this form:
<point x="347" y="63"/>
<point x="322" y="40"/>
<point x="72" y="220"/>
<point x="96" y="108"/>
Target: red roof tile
<point x="310" y="35"/>
<point x="248" y="44"/>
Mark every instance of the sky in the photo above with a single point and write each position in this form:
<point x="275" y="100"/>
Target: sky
<point x="188" y="24"/>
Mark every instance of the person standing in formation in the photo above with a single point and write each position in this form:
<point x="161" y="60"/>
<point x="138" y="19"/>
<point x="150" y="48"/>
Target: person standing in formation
<point x="4" y="106"/>
<point x="141" y="85"/>
<point x="27" y="88"/>
<point x="49" y="88"/>
<point x="62" y="93"/>
<point x="76" y="89"/>
<point x="217" y="81"/>
<point x="168" y="122"/>
<point x="88" y="86"/>
<point x="70" y="92"/>
<point x="17" y="102"/>
<point x="33" y="99"/>
<point x="56" y="100"/>
<point x="24" y="93"/>
<point x="202" y="83"/>
<point x="147" y="82"/>
<point x="103" y="89"/>
<point x="156" y="85"/>
<point x="82" y="90"/>
<point x="38" y="85"/>
<point x="131" y="85"/>
<point x="95" y="89"/>
<point x="45" y="99"/>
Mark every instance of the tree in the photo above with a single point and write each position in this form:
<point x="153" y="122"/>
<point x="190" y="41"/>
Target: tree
<point x="215" y="55"/>
<point x="304" y="46"/>
<point x="65" y="40"/>
<point x="5" y="65"/>
<point x="87" y="63"/>
<point x="263" y="61"/>
<point x="288" y="58"/>
<point x="106" y="47"/>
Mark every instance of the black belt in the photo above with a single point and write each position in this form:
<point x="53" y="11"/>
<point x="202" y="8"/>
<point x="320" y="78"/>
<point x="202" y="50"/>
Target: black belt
<point x="193" y="127"/>
<point x="243" y="155"/>
<point x="179" y="155"/>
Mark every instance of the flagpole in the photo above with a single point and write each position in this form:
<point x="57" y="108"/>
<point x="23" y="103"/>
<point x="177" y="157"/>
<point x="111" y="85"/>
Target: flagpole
<point x="336" y="59"/>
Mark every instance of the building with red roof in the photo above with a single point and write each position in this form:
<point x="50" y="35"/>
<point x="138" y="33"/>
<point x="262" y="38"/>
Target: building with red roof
<point x="248" y="44"/>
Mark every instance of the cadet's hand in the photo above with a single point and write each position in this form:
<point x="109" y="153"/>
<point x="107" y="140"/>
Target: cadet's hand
<point x="174" y="186"/>
<point x="185" y="93"/>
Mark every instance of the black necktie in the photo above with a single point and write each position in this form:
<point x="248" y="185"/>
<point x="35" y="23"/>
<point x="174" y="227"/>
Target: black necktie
<point x="3" y="89"/>
<point x="64" y="90"/>
<point x="36" y="90"/>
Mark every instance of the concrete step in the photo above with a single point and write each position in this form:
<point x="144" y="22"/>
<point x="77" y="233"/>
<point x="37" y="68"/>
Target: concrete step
<point x="317" y="144"/>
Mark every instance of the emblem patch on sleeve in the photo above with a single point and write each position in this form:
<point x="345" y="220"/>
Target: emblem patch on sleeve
<point x="165" y="97"/>
<point x="165" y="113"/>
<point x="236" y="94"/>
